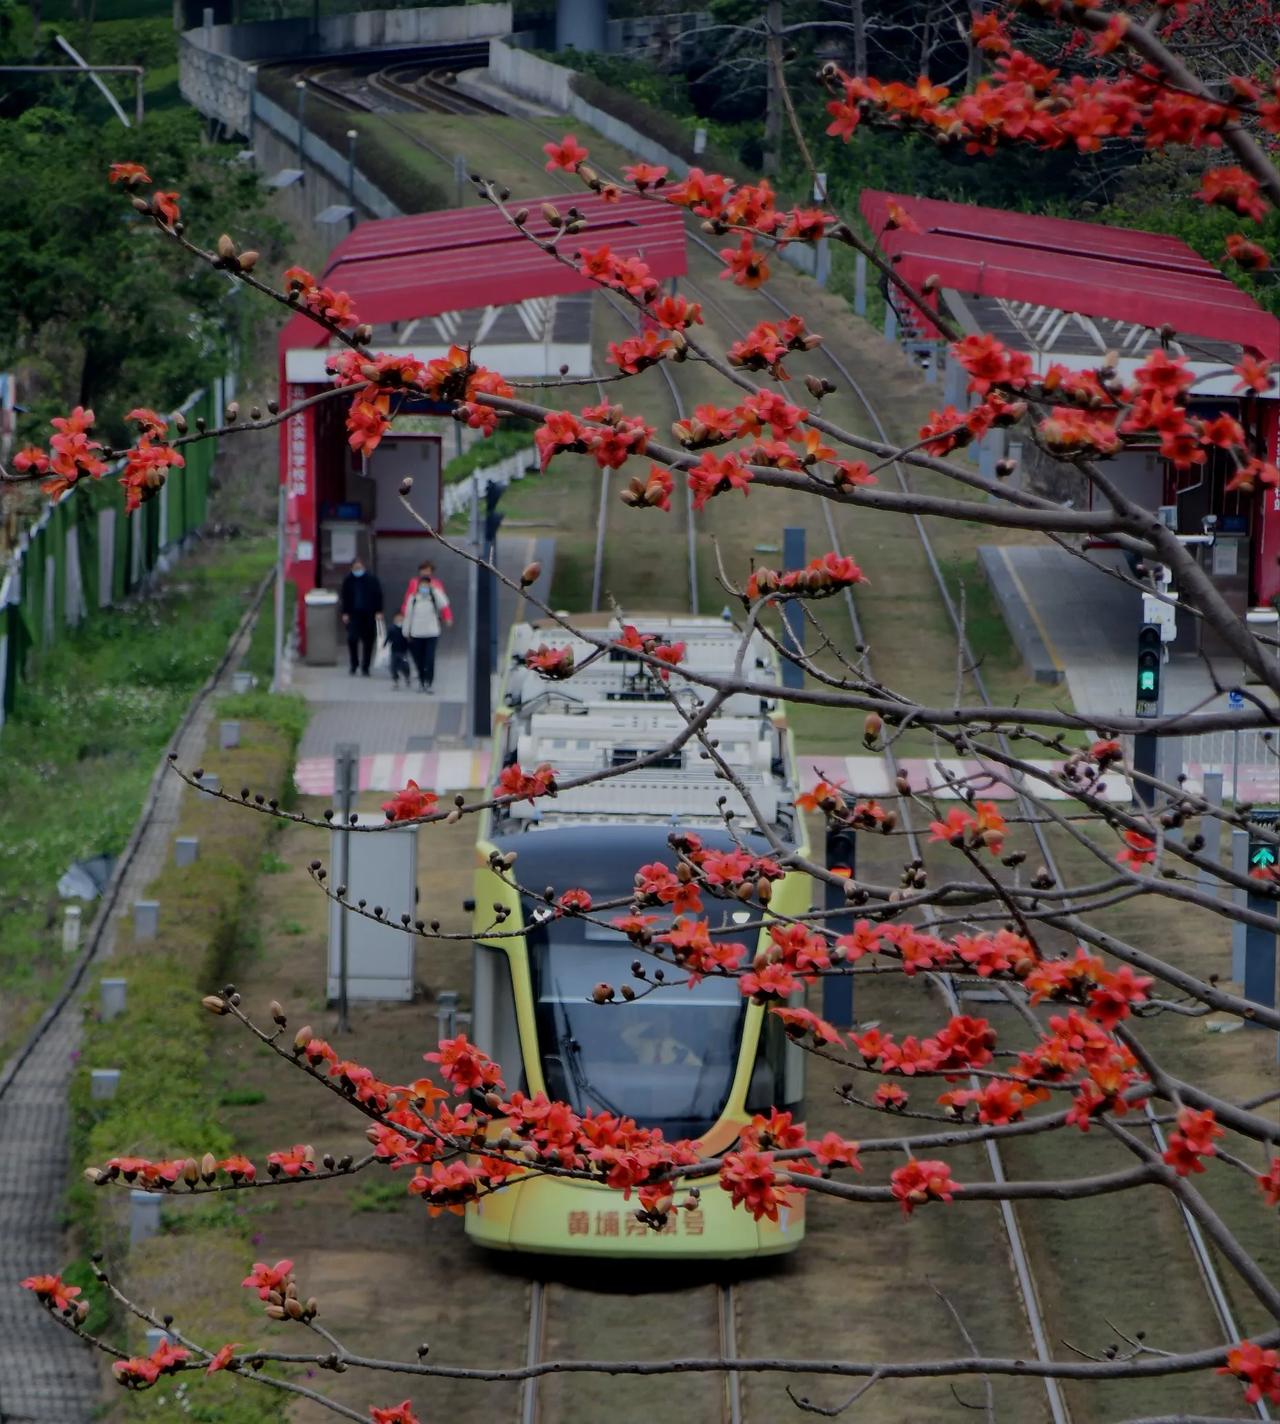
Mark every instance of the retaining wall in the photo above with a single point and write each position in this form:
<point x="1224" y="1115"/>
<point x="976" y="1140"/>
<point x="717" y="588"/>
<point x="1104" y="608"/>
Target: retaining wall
<point x="544" y="82"/>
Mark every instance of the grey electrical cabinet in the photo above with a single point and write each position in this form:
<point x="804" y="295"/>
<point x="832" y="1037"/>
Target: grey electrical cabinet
<point x="382" y="870"/>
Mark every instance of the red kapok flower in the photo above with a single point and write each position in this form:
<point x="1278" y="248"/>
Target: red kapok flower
<point x="919" y="1182"/>
<point x="52" y="1291"/>
<point x="401" y="1413"/>
<point x="409" y="804"/>
<point x="566" y="154"/>
<point x="265" y="1279"/>
<point x="222" y="1358"/>
<point x="128" y="173"/>
<point x="165" y="206"/>
<point x="1269" y="1183"/>
<point x="1257" y="1368"/>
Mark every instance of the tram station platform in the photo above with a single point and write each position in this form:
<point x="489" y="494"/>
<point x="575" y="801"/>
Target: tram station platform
<point x="403" y="733"/>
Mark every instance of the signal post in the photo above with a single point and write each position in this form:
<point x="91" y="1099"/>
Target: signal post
<point x="1260" y="943"/>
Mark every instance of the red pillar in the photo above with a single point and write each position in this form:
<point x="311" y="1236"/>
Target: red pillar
<point x="1266" y="579"/>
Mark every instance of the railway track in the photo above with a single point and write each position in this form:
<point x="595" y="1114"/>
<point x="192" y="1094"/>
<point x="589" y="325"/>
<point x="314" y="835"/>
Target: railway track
<point x="1206" y="1268"/>
<point x="723" y="1311"/>
<point x="727" y="1302"/>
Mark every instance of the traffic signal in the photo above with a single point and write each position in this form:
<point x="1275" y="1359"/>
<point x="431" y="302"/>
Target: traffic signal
<point x="1150" y="653"/>
<point x="842" y="850"/>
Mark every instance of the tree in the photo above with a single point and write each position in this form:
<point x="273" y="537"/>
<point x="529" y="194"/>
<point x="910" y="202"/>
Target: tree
<point x="1089" y="1064"/>
<point x="91" y="313"/>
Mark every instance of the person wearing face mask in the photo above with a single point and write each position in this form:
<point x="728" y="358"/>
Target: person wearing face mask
<point x="361" y="603"/>
<point x="426" y="614"/>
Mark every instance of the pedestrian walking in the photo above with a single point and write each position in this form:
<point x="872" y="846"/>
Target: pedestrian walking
<point x="399" y="645"/>
<point x="361" y="602"/>
<point x="426" y="614"/>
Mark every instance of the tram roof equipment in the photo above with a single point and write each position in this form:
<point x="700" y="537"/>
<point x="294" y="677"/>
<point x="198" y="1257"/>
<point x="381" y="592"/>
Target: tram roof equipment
<point x="614" y="710"/>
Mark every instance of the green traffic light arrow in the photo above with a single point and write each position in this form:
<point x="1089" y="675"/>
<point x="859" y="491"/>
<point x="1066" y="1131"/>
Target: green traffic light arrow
<point x="1264" y="855"/>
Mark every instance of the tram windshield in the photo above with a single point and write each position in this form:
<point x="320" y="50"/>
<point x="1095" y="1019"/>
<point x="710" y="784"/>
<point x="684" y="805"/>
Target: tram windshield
<point x="667" y="1060"/>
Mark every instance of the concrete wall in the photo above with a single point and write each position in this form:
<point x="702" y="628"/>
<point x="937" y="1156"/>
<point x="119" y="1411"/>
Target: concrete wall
<point x="275" y="146"/>
<point x="364" y="29"/>
<point x="219" y="86"/>
<point x="580" y="24"/>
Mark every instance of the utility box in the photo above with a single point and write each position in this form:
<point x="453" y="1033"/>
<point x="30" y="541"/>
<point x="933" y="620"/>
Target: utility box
<point x="321" y="605"/>
<point x="382" y="869"/>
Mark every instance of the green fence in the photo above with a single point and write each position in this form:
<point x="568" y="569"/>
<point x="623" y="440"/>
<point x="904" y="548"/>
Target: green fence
<point x="85" y="553"/>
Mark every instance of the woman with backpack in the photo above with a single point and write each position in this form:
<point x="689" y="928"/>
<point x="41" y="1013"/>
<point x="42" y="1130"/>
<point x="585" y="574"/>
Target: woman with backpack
<point x="426" y="613"/>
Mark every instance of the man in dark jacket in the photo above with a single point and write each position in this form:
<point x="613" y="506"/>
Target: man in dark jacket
<point x="361" y="604"/>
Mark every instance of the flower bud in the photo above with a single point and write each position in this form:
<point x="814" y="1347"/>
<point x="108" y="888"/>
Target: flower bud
<point x="872" y="727"/>
<point x="226" y="247"/>
<point x="215" y="1003"/>
<point x="208" y="1167"/>
<point x="190" y="1172"/>
<point x="277" y="1013"/>
<point x="531" y="574"/>
<point x="141" y="204"/>
<point x="302" y="1038"/>
<point x="248" y="261"/>
<point x="274" y="1312"/>
<point x="233" y="412"/>
<point x="602" y="994"/>
<point x="551" y="214"/>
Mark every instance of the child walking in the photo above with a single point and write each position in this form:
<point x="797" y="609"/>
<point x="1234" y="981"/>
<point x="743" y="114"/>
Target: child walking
<point x="399" y="645"/>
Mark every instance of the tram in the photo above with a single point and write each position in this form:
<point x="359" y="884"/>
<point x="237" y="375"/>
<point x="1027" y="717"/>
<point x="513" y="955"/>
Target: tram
<point x="697" y="1063"/>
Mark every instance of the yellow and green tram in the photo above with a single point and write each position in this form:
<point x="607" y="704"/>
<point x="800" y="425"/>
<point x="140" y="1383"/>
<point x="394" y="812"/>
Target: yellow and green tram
<point x="695" y="1062"/>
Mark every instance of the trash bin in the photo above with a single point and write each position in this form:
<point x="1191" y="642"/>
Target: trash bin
<point x="322" y="627"/>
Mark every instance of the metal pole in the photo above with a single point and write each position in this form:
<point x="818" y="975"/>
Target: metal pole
<point x="860" y="284"/>
<point x="352" y="135"/>
<point x="1211" y="828"/>
<point x="1240" y="865"/>
<point x="460" y="177"/>
<point x="792" y="613"/>
<point x="137" y="98"/>
<point x="477" y="662"/>
<point x="83" y="64"/>
<point x="1259" y="977"/>
<point x="1235" y="765"/>
<point x="277" y="653"/>
<point x="300" y="88"/>
<point x="347" y="764"/>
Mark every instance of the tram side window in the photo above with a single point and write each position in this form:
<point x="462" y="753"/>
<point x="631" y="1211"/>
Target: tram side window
<point x="493" y="1014"/>
<point x="777" y="1077"/>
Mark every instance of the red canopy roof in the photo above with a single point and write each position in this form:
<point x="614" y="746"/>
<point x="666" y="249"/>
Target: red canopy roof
<point x="1142" y="277"/>
<point x="396" y="269"/>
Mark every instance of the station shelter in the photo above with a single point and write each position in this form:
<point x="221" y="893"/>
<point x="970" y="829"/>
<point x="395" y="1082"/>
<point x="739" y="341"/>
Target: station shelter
<point x="463" y="277"/>
<point x="1068" y="292"/>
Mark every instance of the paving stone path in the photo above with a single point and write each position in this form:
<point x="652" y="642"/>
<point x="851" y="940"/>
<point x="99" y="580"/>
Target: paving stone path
<point x="47" y="1376"/>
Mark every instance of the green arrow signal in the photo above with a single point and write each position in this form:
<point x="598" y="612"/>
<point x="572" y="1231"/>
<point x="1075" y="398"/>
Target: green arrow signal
<point x="1264" y="855"/>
